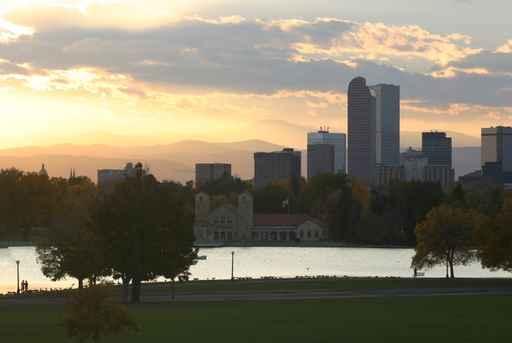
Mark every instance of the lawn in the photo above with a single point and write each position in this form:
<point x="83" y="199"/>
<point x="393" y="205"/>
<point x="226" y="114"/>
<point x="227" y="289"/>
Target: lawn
<point x="425" y="319"/>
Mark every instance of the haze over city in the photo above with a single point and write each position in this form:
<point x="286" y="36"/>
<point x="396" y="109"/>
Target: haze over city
<point x="90" y="71"/>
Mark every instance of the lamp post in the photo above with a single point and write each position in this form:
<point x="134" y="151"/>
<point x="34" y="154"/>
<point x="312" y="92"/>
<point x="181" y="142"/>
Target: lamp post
<point x="18" y="276"/>
<point x="232" y="266"/>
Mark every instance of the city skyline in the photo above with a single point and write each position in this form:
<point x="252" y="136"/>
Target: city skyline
<point x="224" y="71"/>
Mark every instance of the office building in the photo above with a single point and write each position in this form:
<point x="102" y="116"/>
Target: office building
<point x="386" y="175"/>
<point x="338" y="140"/>
<point x="444" y="175"/>
<point x="276" y="166"/>
<point x="361" y="132"/>
<point x="321" y="159"/>
<point x="109" y="178"/>
<point x="387" y="124"/>
<point x="208" y="172"/>
<point x="497" y="154"/>
<point x="438" y="148"/>
<point x="414" y="163"/>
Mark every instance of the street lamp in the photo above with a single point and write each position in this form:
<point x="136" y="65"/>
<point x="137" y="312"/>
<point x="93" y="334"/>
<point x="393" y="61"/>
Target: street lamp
<point x="18" y="276"/>
<point x="232" y="266"/>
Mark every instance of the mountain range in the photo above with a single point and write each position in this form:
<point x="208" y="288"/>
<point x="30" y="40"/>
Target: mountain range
<point x="176" y="161"/>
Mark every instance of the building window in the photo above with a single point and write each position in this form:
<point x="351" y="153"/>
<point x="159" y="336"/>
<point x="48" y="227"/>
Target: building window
<point x="230" y="236"/>
<point x="316" y="234"/>
<point x="309" y="234"/>
<point x="216" y="236"/>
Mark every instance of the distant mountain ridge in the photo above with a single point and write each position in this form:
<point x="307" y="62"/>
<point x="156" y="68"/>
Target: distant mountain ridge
<point x="174" y="161"/>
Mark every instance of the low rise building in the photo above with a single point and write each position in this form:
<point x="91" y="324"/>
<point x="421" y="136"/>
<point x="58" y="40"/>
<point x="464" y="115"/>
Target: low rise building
<point x="237" y="222"/>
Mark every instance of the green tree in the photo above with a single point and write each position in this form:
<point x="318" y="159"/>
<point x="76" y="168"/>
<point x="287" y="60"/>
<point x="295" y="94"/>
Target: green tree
<point x="147" y="228"/>
<point x="272" y="199"/>
<point x="226" y="185"/>
<point x="445" y="237"/>
<point x="494" y="239"/>
<point x="92" y="316"/>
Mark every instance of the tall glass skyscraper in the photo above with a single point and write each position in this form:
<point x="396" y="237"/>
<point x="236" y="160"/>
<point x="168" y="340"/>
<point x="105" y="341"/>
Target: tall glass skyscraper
<point x="361" y="131"/>
<point x="387" y="124"/>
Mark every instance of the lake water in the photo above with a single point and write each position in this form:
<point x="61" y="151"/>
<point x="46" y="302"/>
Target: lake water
<point x="258" y="262"/>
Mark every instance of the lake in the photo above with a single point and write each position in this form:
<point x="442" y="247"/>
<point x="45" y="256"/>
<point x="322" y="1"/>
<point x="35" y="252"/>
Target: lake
<point x="258" y="262"/>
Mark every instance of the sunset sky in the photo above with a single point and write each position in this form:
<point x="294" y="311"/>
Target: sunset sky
<point x="159" y="71"/>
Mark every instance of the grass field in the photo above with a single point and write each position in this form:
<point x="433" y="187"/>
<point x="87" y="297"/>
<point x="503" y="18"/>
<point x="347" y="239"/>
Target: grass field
<point x="424" y="319"/>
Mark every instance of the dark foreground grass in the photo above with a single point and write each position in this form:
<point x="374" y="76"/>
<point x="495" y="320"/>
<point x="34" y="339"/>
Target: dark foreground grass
<point x="423" y="319"/>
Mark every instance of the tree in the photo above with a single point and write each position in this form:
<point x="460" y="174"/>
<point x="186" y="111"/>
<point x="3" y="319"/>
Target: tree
<point x="494" y="239"/>
<point x="147" y="228"/>
<point x="226" y="185"/>
<point x="272" y="199"/>
<point x="91" y="316"/>
<point x="445" y="237"/>
<point x="71" y="246"/>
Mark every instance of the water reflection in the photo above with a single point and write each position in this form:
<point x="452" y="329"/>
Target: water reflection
<point x="258" y="262"/>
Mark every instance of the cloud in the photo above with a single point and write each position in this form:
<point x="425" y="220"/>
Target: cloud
<point x="397" y="44"/>
<point x="238" y="55"/>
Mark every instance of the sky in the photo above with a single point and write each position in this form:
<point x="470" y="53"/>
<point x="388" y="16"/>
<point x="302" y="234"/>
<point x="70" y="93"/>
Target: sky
<point x="130" y="72"/>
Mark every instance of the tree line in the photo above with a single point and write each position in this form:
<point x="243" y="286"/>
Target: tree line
<point x="139" y="232"/>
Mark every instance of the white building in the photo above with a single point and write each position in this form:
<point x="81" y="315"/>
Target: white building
<point x="338" y="140"/>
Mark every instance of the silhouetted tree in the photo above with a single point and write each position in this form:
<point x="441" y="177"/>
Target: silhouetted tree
<point x="147" y="227"/>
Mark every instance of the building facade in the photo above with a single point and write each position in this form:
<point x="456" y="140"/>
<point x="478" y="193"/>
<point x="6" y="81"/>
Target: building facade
<point x="361" y="131"/>
<point x="237" y="222"/>
<point x="338" y="140"/>
<point x="208" y="172"/>
<point x="386" y="175"/>
<point x="438" y="148"/>
<point x="414" y="163"/>
<point x="387" y="124"/>
<point x="321" y="159"/>
<point x="109" y="178"/>
<point x="270" y="167"/>
<point x="497" y="154"/>
<point x="443" y="175"/>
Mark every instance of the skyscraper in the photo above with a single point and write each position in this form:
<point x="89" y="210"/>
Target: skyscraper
<point x="361" y="131"/>
<point x="276" y="166"/>
<point x="321" y="159"/>
<point x="387" y="124"/>
<point x="438" y="148"/>
<point x="497" y="153"/>
<point x="338" y="140"/>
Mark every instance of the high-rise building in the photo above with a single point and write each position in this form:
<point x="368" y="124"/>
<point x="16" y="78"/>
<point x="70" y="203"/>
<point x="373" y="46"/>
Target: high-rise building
<point x="387" y="124"/>
<point x="338" y="140"/>
<point x="414" y="163"/>
<point x="208" y="172"/>
<point x="497" y="147"/>
<point x="361" y="131"/>
<point x="438" y="148"/>
<point x="275" y="166"/>
<point x="321" y="158"/>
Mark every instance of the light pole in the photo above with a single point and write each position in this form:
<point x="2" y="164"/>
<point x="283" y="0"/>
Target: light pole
<point x="232" y="266"/>
<point x="18" y="276"/>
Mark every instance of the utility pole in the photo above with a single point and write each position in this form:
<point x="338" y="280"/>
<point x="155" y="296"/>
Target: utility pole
<point x="232" y="266"/>
<point x="18" y="276"/>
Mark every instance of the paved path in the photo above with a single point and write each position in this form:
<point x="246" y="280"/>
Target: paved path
<point x="282" y="295"/>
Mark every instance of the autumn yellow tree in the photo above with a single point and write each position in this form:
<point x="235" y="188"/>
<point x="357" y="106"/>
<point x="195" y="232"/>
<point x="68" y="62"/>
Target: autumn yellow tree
<point x="445" y="238"/>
